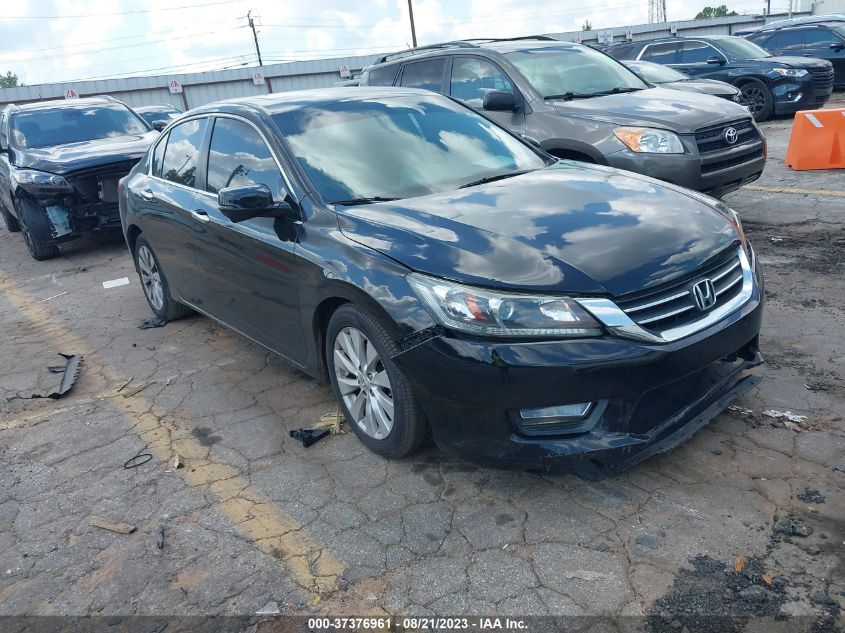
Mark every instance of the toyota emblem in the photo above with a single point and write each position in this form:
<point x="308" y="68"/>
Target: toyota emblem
<point x="704" y="294"/>
<point x="731" y="135"/>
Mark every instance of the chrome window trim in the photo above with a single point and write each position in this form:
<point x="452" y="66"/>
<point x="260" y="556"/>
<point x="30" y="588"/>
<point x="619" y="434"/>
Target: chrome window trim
<point x="219" y="115"/>
<point x="620" y="324"/>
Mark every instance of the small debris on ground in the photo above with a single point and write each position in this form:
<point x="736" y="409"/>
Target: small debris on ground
<point x="61" y="294"/>
<point x="114" y="526"/>
<point x="146" y="324"/>
<point x="789" y="526"/>
<point x="271" y="608"/>
<point x="136" y="390"/>
<point x="114" y="283"/>
<point x="139" y="459"/>
<point x="810" y="495"/>
<point x="160" y="540"/>
<point x="309" y="436"/>
<point x="69" y="372"/>
<point x="817" y="386"/>
<point x="126" y="384"/>
<point x="177" y="462"/>
<point x="775" y="238"/>
<point x="739" y="565"/>
<point x="333" y="422"/>
<point x="789" y="415"/>
<point x="740" y="410"/>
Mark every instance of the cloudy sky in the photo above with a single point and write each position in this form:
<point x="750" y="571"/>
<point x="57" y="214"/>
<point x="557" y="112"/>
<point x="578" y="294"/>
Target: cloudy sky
<point x="46" y="41"/>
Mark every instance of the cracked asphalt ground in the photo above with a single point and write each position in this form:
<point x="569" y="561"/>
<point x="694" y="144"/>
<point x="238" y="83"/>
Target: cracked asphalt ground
<point x="253" y="517"/>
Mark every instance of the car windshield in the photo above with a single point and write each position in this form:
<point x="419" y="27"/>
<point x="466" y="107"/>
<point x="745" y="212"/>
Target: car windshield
<point x="576" y="72"/>
<point x="73" y="124"/>
<point x="839" y="29"/>
<point x="741" y="48"/>
<point x="655" y="73"/>
<point x="362" y="149"/>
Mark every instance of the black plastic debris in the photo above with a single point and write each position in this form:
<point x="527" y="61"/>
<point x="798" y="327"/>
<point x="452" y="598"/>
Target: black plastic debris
<point x="146" y="324"/>
<point x="69" y="372"/>
<point x="309" y="436"/>
<point x="160" y="541"/>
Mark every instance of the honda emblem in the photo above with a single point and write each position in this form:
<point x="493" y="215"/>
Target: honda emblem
<point x="704" y="294"/>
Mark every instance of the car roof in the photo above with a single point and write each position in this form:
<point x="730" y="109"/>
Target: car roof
<point x="158" y="107"/>
<point x="497" y="45"/>
<point x="64" y="103"/>
<point x="280" y="101"/>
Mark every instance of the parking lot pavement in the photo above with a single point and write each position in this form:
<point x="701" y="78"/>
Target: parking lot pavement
<point x="254" y="517"/>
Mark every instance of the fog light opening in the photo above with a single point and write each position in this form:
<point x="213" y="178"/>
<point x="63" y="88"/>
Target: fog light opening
<point x="558" y="413"/>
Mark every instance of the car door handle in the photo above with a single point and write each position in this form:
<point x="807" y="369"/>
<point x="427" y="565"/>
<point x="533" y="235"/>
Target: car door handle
<point x="147" y="194"/>
<point x="807" y="55"/>
<point x="200" y="215"/>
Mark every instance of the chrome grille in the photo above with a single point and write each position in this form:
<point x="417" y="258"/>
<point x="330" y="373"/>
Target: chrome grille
<point x="673" y="305"/>
<point x="712" y="139"/>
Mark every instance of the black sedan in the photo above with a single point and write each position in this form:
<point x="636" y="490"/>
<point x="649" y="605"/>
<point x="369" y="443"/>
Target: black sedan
<point x="450" y="278"/>
<point x="666" y="77"/>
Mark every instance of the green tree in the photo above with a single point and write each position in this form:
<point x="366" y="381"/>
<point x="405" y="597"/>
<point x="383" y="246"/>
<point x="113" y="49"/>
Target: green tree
<point x="9" y="80"/>
<point x="587" y="26"/>
<point x="714" y="12"/>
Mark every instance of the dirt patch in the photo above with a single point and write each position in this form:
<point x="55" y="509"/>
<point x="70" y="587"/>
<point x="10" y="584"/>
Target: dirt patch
<point x="817" y="248"/>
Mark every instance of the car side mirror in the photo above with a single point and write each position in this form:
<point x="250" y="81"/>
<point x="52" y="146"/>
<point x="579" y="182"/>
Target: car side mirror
<point x="160" y="125"/>
<point x="499" y="101"/>
<point x="716" y="61"/>
<point x="251" y="201"/>
<point x="837" y="46"/>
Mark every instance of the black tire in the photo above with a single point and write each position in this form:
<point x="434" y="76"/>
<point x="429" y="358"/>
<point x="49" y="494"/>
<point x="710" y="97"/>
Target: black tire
<point x="758" y="98"/>
<point x="169" y="309"/>
<point x="410" y="429"/>
<point x="35" y="226"/>
<point x="11" y="222"/>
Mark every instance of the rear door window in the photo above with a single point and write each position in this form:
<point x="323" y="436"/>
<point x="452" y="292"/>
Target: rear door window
<point x="182" y="155"/>
<point x="662" y="53"/>
<point x="820" y="38"/>
<point x="697" y="52"/>
<point x="427" y="74"/>
<point x="238" y="156"/>
<point x="472" y="78"/>
<point x="785" y="41"/>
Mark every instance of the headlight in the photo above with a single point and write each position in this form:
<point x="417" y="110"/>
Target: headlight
<point x="650" y="140"/>
<point x="40" y="180"/>
<point x="494" y="313"/>
<point x="734" y="218"/>
<point x="790" y="72"/>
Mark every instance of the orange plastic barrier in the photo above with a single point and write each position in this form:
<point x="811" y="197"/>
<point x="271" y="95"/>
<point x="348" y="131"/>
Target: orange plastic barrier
<point x="817" y="140"/>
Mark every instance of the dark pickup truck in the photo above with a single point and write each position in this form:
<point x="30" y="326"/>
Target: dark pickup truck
<point x="60" y="163"/>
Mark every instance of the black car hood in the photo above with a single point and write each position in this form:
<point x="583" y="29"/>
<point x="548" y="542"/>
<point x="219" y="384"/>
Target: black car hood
<point x="570" y="227"/>
<point x="703" y="86"/>
<point x="668" y="109"/>
<point x="64" y="159"/>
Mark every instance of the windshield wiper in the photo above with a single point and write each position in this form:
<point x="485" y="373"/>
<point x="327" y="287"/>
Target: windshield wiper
<point x="355" y="201"/>
<point x="568" y="96"/>
<point x="486" y="179"/>
<point x="616" y="91"/>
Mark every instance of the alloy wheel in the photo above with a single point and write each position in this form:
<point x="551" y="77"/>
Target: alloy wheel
<point x="150" y="277"/>
<point x="754" y="98"/>
<point x="363" y="383"/>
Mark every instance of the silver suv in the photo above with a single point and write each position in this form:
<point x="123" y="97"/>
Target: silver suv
<point x="578" y="103"/>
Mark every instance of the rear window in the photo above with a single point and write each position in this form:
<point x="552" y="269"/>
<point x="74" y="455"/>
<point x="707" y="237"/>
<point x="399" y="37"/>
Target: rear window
<point x="383" y="76"/>
<point x="426" y="74"/>
<point x="74" y="124"/>
<point x="661" y="53"/>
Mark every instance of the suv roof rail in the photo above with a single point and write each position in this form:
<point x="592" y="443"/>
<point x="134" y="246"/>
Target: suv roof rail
<point x="467" y="43"/>
<point x="801" y="21"/>
<point x="424" y="49"/>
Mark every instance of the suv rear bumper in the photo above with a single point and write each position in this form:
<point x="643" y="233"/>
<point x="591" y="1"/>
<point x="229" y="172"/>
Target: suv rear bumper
<point x="715" y="174"/>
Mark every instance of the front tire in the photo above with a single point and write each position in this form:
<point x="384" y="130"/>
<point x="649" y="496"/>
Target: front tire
<point x="374" y="395"/>
<point x="154" y="283"/>
<point x="35" y="227"/>
<point x="758" y="98"/>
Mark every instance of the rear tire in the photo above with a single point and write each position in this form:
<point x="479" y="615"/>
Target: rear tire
<point x="387" y="417"/>
<point x="758" y="98"/>
<point x="35" y="227"/>
<point x="11" y="222"/>
<point x="154" y="283"/>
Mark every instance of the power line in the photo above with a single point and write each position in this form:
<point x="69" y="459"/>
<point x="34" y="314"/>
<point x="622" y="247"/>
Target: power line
<point x="136" y="12"/>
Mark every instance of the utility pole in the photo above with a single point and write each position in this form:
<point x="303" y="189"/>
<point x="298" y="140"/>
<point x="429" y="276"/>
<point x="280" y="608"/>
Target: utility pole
<point x="254" y="36"/>
<point x="258" y="49"/>
<point x="413" y="28"/>
<point x="790" y="9"/>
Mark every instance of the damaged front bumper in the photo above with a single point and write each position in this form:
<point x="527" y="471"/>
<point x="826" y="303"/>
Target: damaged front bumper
<point x="640" y="398"/>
